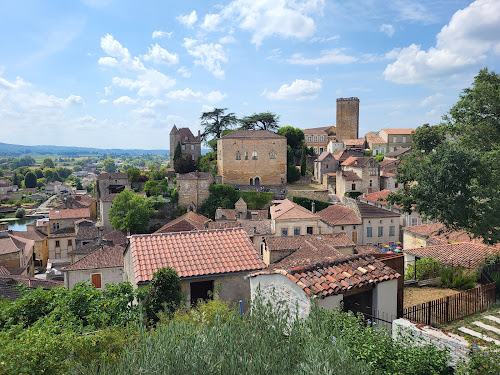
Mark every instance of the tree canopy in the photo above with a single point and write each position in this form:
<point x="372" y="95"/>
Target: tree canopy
<point x="47" y="163"/>
<point x="109" y="165"/>
<point x="456" y="180"/>
<point x="30" y="180"/>
<point x="131" y="211"/>
<point x="216" y="121"/>
<point x="164" y="292"/>
<point x="294" y="136"/>
<point x="260" y="121"/>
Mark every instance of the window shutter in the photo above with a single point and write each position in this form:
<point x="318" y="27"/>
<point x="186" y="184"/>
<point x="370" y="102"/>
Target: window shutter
<point x="96" y="280"/>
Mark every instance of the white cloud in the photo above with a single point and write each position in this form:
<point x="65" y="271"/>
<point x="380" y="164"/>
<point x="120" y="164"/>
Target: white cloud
<point x="211" y="22"/>
<point x="74" y="100"/>
<point x="114" y="48"/>
<point x="86" y="122"/>
<point x="227" y="39"/>
<point x="160" y="55"/>
<point x="410" y="10"/>
<point x="108" y="61"/>
<point x="266" y="18"/>
<point x="184" y="71"/>
<point x="149" y="83"/>
<point x="144" y="113"/>
<point x="188" y="19"/>
<point x="103" y="101"/>
<point x="175" y="119"/>
<point x="210" y="56"/>
<point x="107" y="90"/>
<point x="333" y="56"/>
<point x="189" y="95"/>
<point x="431" y="99"/>
<point x="207" y="108"/>
<point x="161" y="34"/>
<point x="300" y="89"/>
<point x="125" y="100"/>
<point x="119" y="56"/>
<point x="319" y="39"/>
<point x="387" y="29"/>
<point x="463" y="43"/>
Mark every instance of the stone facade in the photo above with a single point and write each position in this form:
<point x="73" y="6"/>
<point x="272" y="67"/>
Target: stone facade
<point x="347" y="118"/>
<point x="319" y="138"/>
<point x="325" y="163"/>
<point x="360" y="174"/>
<point x="190" y="145"/>
<point x="111" y="183"/>
<point x="252" y="157"/>
<point x="193" y="189"/>
<point x="397" y="138"/>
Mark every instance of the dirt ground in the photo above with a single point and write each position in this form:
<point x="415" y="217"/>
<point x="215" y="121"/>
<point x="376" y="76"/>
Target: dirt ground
<point x="415" y="295"/>
<point x="305" y="187"/>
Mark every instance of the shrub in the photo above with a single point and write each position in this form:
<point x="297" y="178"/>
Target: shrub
<point x="307" y="203"/>
<point x="256" y="200"/>
<point x="164" y="293"/>
<point x="427" y="268"/>
<point x="457" y="278"/>
<point x="292" y="173"/>
<point x="480" y="362"/>
<point x="20" y="212"/>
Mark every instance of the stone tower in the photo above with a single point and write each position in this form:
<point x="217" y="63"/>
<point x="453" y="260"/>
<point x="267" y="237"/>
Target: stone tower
<point x="347" y="118"/>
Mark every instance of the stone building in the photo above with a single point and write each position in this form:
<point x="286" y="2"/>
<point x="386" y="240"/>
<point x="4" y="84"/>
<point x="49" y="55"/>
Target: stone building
<point x="17" y="252"/>
<point x="111" y="183"/>
<point x="397" y="138"/>
<point x="252" y="157"/>
<point x="318" y="138"/>
<point x="358" y="174"/>
<point x="193" y="189"/>
<point x="290" y="219"/>
<point x="325" y="163"/>
<point x="347" y="118"/>
<point x="190" y="145"/>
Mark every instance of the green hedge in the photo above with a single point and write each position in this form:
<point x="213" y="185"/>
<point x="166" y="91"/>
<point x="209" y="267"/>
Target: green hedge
<point x="256" y="200"/>
<point x="307" y="203"/>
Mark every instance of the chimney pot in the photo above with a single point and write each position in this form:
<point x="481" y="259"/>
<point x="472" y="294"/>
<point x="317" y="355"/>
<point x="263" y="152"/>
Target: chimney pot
<point x="313" y="207"/>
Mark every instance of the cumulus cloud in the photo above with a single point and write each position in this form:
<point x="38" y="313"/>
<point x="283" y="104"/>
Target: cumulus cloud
<point x="300" y="89"/>
<point x="188" y="19"/>
<point x="431" y="99"/>
<point x="210" y="56"/>
<point x="227" y="39"/>
<point x="464" y="42"/>
<point x="387" y="29"/>
<point x="189" y="95"/>
<point x="149" y="83"/>
<point x="333" y="56"/>
<point x="144" y="113"/>
<point x="161" y="34"/>
<point x="184" y="71"/>
<point x="266" y="18"/>
<point x="410" y="10"/>
<point x="114" y="48"/>
<point x="160" y="55"/>
<point x="211" y="22"/>
<point x="119" y="56"/>
<point x="125" y="100"/>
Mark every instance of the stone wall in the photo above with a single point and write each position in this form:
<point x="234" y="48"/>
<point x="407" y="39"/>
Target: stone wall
<point x="193" y="190"/>
<point x="347" y="118"/>
<point x="459" y="347"/>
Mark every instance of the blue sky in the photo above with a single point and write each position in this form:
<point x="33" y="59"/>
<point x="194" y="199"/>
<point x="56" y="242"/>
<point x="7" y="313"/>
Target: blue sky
<point x="120" y="73"/>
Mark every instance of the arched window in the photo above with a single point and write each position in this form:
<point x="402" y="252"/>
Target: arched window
<point x="257" y="181"/>
<point x="238" y="155"/>
<point x="272" y="154"/>
<point x="251" y="181"/>
<point x="254" y="155"/>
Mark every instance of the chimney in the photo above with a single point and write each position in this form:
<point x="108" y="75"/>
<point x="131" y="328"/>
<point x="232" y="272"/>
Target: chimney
<point x="218" y="213"/>
<point x="313" y="207"/>
<point x="199" y="135"/>
<point x="128" y="232"/>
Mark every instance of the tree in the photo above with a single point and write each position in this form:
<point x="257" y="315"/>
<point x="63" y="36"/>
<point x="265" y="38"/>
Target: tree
<point x="185" y="165"/>
<point x="20" y="213"/>
<point x="292" y="173"/>
<point x="224" y="196"/>
<point x="177" y="155"/>
<point x="294" y="136"/>
<point x="131" y="211"/>
<point x="164" y="292"/>
<point x="109" y="165"/>
<point x="30" y="180"/>
<point x="216" y="121"/>
<point x="77" y="168"/>
<point x="133" y="174"/>
<point x="260" y="121"/>
<point x="47" y="163"/>
<point x="63" y="172"/>
<point x="303" y="160"/>
<point x="16" y="180"/>
<point x="426" y="138"/>
<point x="457" y="182"/>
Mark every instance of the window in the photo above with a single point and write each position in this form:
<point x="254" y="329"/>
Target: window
<point x="321" y="139"/>
<point x="238" y="155"/>
<point x="321" y="150"/>
<point x="309" y="230"/>
<point x="371" y="183"/>
<point x="284" y="232"/>
<point x="315" y="139"/>
<point x="70" y="243"/>
<point x="396" y="185"/>
<point x="369" y="232"/>
<point x="353" y="187"/>
<point x="404" y="139"/>
<point x="380" y="231"/>
<point x="394" y="139"/>
<point x="354" y="227"/>
<point x="254" y="155"/>
<point x="413" y="221"/>
<point x="192" y="157"/>
<point x="272" y="154"/>
<point x="192" y="147"/>
<point x="342" y="227"/>
<point x="296" y="231"/>
<point x="203" y="184"/>
<point x="392" y="230"/>
<point x="96" y="280"/>
<point x="309" y="139"/>
<point x="183" y="147"/>
<point x="246" y="155"/>
<point x="57" y="243"/>
<point x="315" y="150"/>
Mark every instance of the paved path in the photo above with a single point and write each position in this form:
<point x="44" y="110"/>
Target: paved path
<point x="494" y="318"/>
<point x="478" y="335"/>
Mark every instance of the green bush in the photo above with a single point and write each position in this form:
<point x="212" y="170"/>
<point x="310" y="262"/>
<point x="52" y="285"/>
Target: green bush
<point x="457" y="278"/>
<point x="292" y="173"/>
<point x="256" y="200"/>
<point x="20" y="212"/>
<point x="307" y="203"/>
<point x="427" y="268"/>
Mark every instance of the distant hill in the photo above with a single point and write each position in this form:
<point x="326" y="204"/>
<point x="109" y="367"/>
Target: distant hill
<point x="10" y="149"/>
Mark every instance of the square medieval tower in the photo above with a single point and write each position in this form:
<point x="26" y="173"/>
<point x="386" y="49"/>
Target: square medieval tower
<point x="347" y="118"/>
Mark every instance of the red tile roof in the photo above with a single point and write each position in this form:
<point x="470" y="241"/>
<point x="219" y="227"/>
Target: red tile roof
<point x="349" y="175"/>
<point x="368" y="211"/>
<point x="379" y="197"/>
<point x="185" y="223"/>
<point x="108" y="197"/>
<point x="77" y="213"/>
<point x="324" y="155"/>
<point x="398" y="131"/>
<point x="354" y="142"/>
<point x="331" y="278"/>
<point x="375" y="140"/>
<point x="116" y="236"/>
<point x="316" y="130"/>
<point x="103" y="257"/>
<point x="398" y="152"/>
<point x="207" y="252"/>
<point x="339" y="215"/>
<point x="354" y="161"/>
<point x="32" y="282"/>
<point x="286" y="209"/>
<point x="465" y="254"/>
<point x="437" y="234"/>
<point x="187" y="136"/>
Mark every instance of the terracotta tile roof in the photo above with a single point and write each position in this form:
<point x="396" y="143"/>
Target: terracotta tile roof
<point x="84" y="222"/>
<point x="10" y="243"/>
<point x="32" y="282"/>
<point x="354" y="161"/>
<point x="87" y="232"/>
<point x="339" y="215"/>
<point x="367" y="211"/>
<point x="42" y="223"/>
<point x="207" y="252"/>
<point x="398" y="152"/>
<point x="465" y="254"/>
<point x="286" y="209"/>
<point x="349" y="175"/>
<point x="108" y="197"/>
<point x="85" y="249"/>
<point x="372" y="140"/>
<point x="354" y="142"/>
<point x="103" y="257"/>
<point x="112" y="176"/>
<point x="388" y="162"/>
<point x="437" y="234"/>
<point x="195" y="176"/>
<point x="336" y="277"/>
<point x="316" y="130"/>
<point x="379" y="197"/>
<point x="76" y="213"/>
<point x="399" y="131"/>
<point x="324" y="155"/>
<point x="251" y="134"/>
<point x="387" y="175"/>
<point x="185" y="223"/>
<point x="34" y="235"/>
<point x="344" y="154"/>
<point x="367" y="249"/>
<point x="116" y="236"/>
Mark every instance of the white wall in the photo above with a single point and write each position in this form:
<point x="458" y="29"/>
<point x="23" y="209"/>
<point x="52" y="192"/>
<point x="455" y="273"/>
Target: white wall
<point x="112" y="275"/>
<point x="385" y="299"/>
<point x="331" y="302"/>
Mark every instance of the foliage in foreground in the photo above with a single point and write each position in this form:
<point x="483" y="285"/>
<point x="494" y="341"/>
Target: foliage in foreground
<point x="426" y="268"/>
<point x="131" y="211"/>
<point x="458" y="278"/>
